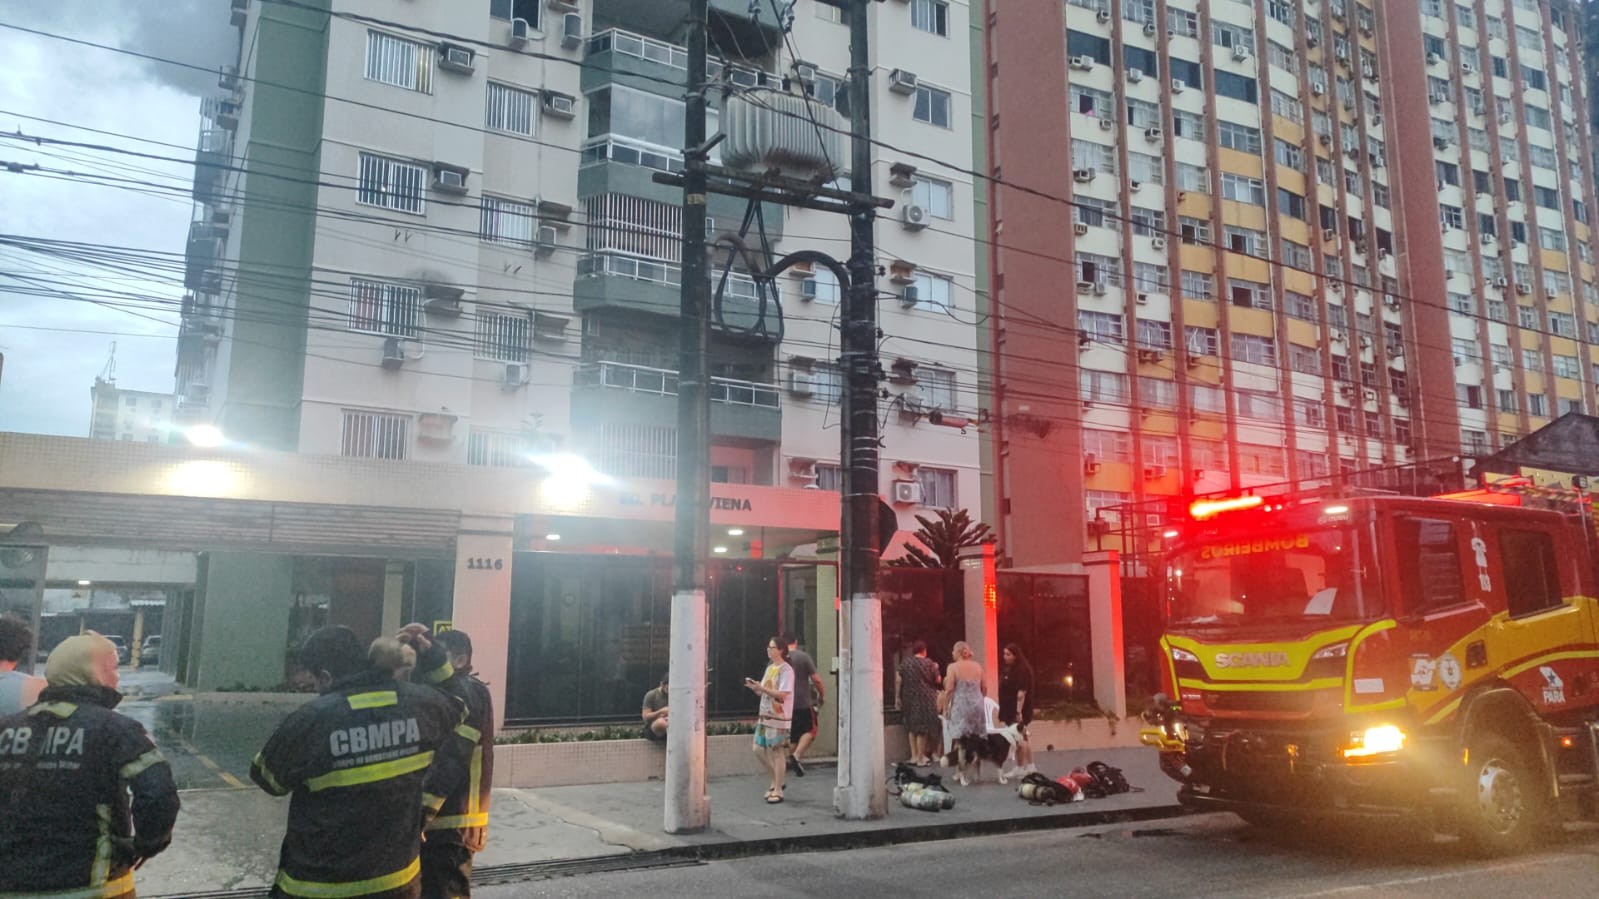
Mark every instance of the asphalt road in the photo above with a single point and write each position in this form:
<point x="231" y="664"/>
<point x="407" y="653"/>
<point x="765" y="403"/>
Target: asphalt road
<point x="209" y="743"/>
<point x="1210" y="855"/>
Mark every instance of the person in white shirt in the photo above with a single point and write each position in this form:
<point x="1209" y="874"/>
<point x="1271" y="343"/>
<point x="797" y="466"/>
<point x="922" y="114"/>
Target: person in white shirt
<point x="17" y="690"/>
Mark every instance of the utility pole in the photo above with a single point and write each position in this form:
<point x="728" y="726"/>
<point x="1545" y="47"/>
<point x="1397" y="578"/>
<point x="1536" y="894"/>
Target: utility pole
<point x="861" y="792"/>
<point x="688" y="807"/>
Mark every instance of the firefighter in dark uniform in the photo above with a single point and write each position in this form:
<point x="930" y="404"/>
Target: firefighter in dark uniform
<point x="461" y="828"/>
<point x="368" y="763"/>
<point x="68" y="766"/>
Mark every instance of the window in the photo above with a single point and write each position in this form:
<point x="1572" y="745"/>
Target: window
<point x="503" y="337"/>
<point x="1207" y="399"/>
<point x="1305" y="360"/>
<point x="397" y="61"/>
<point x="1098" y="157"/>
<point x="1187" y="124"/>
<point x="932" y="106"/>
<point x="932" y="291"/>
<point x="497" y="449"/>
<point x="1288" y="154"/>
<point x="1451" y="217"/>
<point x="1156" y="335"/>
<point x="828" y="475"/>
<point x="375" y="435"/>
<point x="931" y="16"/>
<point x="516" y="9"/>
<point x="1193" y="178"/>
<point x="1102" y="386"/>
<point x="937" y="387"/>
<point x="1310" y="414"/>
<point x="1246" y="241"/>
<point x="507" y="221"/>
<point x="827" y="383"/>
<point x="1552" y="239"/>
<point x="937" y="197"/>
<point x="1537" y="404"/>
<point x="1249" y="294"/>
<point x="1149" y="278"/>
<point x="1301" y="306"/>
<point x="1182" y="22"/>
<point x="1547" y="197"/>
<point x="1290" y="203"/>
<point x="1230" y="36"/>
<point x="1239" y="137"/>
<point x="377" y="307"/>
<point x="1237" y="87"/>
<point x="1093" y="211"/>
<point x="1201" y="341"/>
<point x="1108" y="446"/>
<point x="1532" y="360"/>
<point x="1531" y="574"/>
<point x="391" y="183"/>
<point x="1146" y="169"/>
<point x="1243" y="189"/>
<point x="1157" y="393"/>
<point x="1254" y="348"/>
<point x="1259" y="406"/>
<point x="509" y="109"/>
<point x="1198" y="285"/>
<point x="1105" y="327"/>
<point x="1434" y="579"/>
<point x="938" y="487"/>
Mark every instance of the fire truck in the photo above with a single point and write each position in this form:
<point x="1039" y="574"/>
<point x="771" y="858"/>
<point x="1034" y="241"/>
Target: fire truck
<point x="1433" y="658"/>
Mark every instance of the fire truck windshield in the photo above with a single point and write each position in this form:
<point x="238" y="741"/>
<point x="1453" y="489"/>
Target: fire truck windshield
<point x="1289" y="577"/>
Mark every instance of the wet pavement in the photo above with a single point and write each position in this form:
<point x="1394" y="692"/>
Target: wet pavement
<point x="210" y="739"/>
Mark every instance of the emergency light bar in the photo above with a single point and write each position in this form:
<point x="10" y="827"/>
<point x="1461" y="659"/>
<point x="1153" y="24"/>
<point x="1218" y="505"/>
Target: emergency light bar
<point x="1202" y="509"/>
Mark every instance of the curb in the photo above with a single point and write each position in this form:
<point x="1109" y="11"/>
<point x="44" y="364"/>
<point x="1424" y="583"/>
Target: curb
<point x="704" y="853"/>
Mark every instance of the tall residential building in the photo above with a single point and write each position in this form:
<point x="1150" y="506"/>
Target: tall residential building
<point x="1258" y="265"/>
<point x="430" y="232"/>
<point x="138" y="415"/>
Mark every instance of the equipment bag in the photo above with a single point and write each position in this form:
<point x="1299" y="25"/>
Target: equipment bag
<point x="1110" y="778"/>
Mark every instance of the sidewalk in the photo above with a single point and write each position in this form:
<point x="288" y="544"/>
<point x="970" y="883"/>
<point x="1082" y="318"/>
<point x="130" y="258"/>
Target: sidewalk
<point x="228" y="839"/>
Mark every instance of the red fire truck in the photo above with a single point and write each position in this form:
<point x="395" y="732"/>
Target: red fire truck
<point x="1386" y="656"/>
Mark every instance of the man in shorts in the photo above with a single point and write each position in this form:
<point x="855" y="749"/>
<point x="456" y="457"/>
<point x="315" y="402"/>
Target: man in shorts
<point x="806" y="704"/>
<point x="655" y="713"/>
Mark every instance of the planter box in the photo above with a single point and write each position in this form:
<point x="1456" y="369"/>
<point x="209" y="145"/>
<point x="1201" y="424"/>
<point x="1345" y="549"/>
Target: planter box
<point x="531" y="765"/>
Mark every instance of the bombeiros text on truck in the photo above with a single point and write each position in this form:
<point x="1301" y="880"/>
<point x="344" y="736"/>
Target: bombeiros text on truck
<point x="1383" y="655"/>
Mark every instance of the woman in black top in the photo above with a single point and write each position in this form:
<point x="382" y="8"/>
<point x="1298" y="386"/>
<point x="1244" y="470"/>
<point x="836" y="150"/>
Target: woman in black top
<point x="1016" y="699"/>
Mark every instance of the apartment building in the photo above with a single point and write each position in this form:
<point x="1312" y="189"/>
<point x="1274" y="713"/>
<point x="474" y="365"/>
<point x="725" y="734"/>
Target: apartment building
<point x="431" y="232"/>
<point x="122" y="414"/>
<point x="1294" y="240"/>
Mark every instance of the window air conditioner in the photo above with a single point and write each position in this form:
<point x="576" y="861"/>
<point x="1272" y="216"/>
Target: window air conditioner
<point x="1317" y="88"/>
<point x="1152" y="472"/>
<point x="808" y="289"/>
<point x="393" y="352"/>
<point x="1099" y="288"/>
<point x="913" y="217"/>
<point x="560" y="106"/>
<point x="1149" y="29"/>
<point x="1080" y="229"/>
<point x="515" y="375"/>
<point x="1083" y="63"/>
<point x="1240" y="52"/>
<point x="902" y="82"/>
<point x="547" y="240"/>
<point x="909" y="296"/>
<point x="1083" y="176"/>
<point x="907" y="493"/>
<point x="572" y="30"/>
<point x="1501" y="283"/>
<point x="1150" y="357"/>
<point x="1523" y="288"/>
<point x="801" y="383"/>
<point x="1158" y="242"/>
<point x="1084" y="286"/>
<point x="1103" y="16"/>
<point x="1090" y="463"/>
<point x="1107" y="124"/>
<point x="1434" y="59"/>
<point x="519" y="32"/>
<point x="455" y="59"/>
<point x="449" y="180"/>
<point x="1153" y="135"/>
<point x="1135" y="75"/>
<point x="1177" y="85"/>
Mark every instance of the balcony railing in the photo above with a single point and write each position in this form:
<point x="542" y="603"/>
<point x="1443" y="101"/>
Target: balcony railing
<point x="627" y="43"/>
<point x="620" y="149"/>
<point x="663" y="382"/>
<point x="739" y="286"/>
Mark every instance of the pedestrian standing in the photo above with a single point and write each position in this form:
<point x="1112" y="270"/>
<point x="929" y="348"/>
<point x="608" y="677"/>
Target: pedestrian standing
<point x="87" y="797"/>
<point x="809" y="695"/>
<point x="1016" y="700"/>
<point x="776" y="689"/>
<point x="963" y="706"/>
<point x="462" y="826"/>
<point x="17" y="690"/>
<point x="918" y="701"/>
<point x="368" y="764"/>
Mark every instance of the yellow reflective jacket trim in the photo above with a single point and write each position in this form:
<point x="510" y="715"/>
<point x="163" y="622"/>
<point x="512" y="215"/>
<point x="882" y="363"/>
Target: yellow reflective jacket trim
<point x="137" y="766"/>
<point x="365" y="774"/>
<point x="469" y="732"/>
<point x="313" y="890"/>
<point x="121" y="886"/>
<point x="378" y="700"/>
<point x="456" y="822"/>
<point x="474" y="784"/>
<point x="58" y="709"/>
<point x="101" y="870"/>
<point x="432" y="802"/>
<point x="259" y="764"/>
<point x="438" y="675"/>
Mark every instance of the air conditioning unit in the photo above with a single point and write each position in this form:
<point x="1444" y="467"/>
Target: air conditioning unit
<point x="1107" y="124"/>
<point x="1336" y="336"/>
<point x="801" y="383"/>
<point x="913" y="217"/>
<point x="1317" y="88"/>
<point x="1149" y="29"/>
<point x="1142" y="299"/>
<point x="1240" y="52"/>
<point x="907" y="493"/>
<point x="572" y="30"/>
<point x="514" y="376"/>
<point x="1090" y="463"/>
<point x="196" y="392"/>
<point x="1501" y="283"/>
<point x="519" y="32"/>
<point x="455" y="59"/>
<point x="1325" y="139"/>
<point x="1083" y="63"/>
<point x="442" y="299"/>
<point x="1098" y="527"/>
<point x="449" y="180"/>
<point x="1099" y="288"/>
<point x="802" y="469"/>
<point x="1312" y="41"/>
<point x="1103" y="16"/>
<point x="560" y="106"/>
<point x="902" y="82"/>
<point x="1487" y="240"/>
<point x="1135" y="75"/>
<point x="240" y="13"/>
<point x="902" y="175"/>
<point x="1439" y="143"/>
<point x="1152" y="472"/>
<point x="1083" y="176"/>
<point x="1153" y="135"/>
<point x="228" y="80"/>
<point x="1434" y="59"/>
<point x="1466" y="68"/>
<point x="1329" y="234"/>
<point x="1523" y="288"/>
<point x="1177" y="86"/>
<point x="393" y="352"/>
<point x="547" y="239"/>
<point x="1133" y="185"/>
<point x="1504" y="118"/>
<point x="909" y="296"/>
<point x="1085" y="286"/>
<point x="1080" y="229"/>
<point x="1158" y="242"/>
<point x="1150" y="357"/>
<point x="1194" y="360"/>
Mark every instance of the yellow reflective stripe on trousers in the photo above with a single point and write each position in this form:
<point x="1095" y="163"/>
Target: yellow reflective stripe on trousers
<point x="137" y="766"/>
<point x="313" y="890"/>
<point x="377" y="700"/>
<point x="455" y="822"/>
<point x="118" y="887"/>
<point x="365" y="774"/>
<point x="101" y="871"/>
<point x="474" y="779"/>
<point x="432" y="802"/>
<point x="469" y="732"/>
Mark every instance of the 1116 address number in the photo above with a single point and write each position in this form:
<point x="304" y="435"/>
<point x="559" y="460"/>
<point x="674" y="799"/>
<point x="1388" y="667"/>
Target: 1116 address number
<point x="477" y="564"/>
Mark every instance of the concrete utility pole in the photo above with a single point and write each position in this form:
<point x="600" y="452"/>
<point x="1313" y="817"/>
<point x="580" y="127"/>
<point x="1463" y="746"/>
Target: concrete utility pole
<point x="861" y="792"/>
<point x="688" y="807"/>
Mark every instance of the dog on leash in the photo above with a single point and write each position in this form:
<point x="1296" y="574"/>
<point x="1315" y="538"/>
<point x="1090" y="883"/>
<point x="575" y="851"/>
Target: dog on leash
<point x="969" y="752"/>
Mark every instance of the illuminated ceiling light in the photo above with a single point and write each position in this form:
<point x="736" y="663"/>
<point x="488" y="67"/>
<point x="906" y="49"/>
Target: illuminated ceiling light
<point x="735" y="532"/>
<point x="1171" y="534"/>
<point x="1209" y="508"/>
<point x="205" y="436"/>
<point x="1336" y="510"/>
<point x="85" y="583"/>
<point x="572" y="468"/>
<point x="552" y="537"/>
<point x="718" y="549"/>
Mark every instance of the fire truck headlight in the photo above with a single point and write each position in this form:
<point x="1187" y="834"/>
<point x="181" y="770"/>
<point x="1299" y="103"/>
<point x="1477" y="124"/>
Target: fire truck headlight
<point x="1335" y="651"/>
<point x="1384" y="738"/>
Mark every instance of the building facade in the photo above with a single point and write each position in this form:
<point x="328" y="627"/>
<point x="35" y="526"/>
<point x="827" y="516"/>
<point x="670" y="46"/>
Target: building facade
<point x="120" y="414"/>
<point x="1256" y="268"/>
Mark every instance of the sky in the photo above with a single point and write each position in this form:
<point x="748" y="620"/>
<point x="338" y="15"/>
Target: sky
<point x="54" y="345"/>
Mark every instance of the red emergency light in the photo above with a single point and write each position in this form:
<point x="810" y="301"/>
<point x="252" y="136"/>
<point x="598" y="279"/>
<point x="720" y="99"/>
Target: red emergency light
<point x="1202" y="509"/>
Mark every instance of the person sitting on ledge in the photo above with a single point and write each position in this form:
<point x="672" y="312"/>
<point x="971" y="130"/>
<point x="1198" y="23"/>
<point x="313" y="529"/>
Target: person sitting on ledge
<point x="654" y="713"/>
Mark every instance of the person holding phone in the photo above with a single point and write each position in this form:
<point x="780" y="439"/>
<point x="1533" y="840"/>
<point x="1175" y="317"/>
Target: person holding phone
<point x="776" y="690"/>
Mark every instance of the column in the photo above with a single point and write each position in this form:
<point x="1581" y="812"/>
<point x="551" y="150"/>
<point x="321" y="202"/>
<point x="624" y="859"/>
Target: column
<point x="483" y="558"/>
<point x="1105" y="628"/>
<point x="393" y="597"/>
<point x="982" y="601"/>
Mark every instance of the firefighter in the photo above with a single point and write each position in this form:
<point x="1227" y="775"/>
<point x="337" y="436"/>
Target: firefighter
<point x="68" y="766"/>
<point x="368" y="763"/>
<point x="461" y="828"/>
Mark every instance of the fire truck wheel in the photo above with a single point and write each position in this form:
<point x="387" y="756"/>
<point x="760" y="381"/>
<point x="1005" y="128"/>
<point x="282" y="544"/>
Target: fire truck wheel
<point x="1502" y="809"/>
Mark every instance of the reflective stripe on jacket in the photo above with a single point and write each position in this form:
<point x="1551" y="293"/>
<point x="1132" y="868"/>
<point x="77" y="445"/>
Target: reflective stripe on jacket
<point x="464" y="817"/>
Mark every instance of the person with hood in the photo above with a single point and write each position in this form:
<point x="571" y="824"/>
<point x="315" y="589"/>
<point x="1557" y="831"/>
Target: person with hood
<point x="88" y="798"/>
<point x="368" y="763"/>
